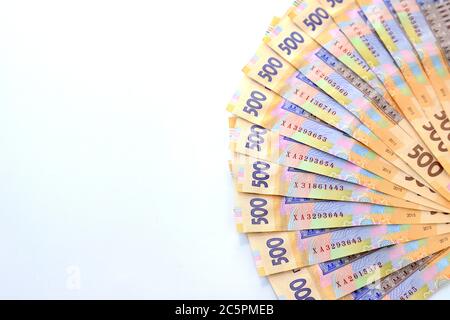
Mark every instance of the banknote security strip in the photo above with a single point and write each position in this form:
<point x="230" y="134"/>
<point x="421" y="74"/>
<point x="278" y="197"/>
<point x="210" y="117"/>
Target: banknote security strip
<point x="437" y="14"/>
<point x="339" y="147"/>
<point x="416" y="281"/>
<point x="377" y="290"/>
<point x="425" y="281"/>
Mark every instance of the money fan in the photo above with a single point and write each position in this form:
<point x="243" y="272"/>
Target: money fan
<point x="339" y="139"/>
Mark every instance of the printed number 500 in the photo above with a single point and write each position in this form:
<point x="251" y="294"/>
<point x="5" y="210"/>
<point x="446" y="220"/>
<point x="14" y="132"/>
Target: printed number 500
<point x="426" y="159"/>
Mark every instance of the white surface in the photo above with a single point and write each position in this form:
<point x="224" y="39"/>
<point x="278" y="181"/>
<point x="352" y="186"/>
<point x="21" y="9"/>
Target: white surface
<point x="113" y="131"/>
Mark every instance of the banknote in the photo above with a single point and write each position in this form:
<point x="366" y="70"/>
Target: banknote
<point x="254" y="175"/>
<point x="261" y="106"/>
<point x="276" y="113"/>
<point x="428" y="118"/>
<point x="378" y="289"/>
<point x="323" y="69"/>
<point x="267" y="213"/>
<point x="330" y="75"/>
<point x="276" y="252"/>
<point x="256" y="141"/>
<point x="307" y="9"/>
<point x="437" y="12"/>
<point x="351" y="21"/>
<point x="316" y="23"/>
<point x="424" y="282"/>
<point x="304" y="93"/>
<point x="323" y="29"/>
<point x="272" y="71"/>
<point x="422" y="38"/>
<point x="337" y="278"/>
<point x="339" y="141"/>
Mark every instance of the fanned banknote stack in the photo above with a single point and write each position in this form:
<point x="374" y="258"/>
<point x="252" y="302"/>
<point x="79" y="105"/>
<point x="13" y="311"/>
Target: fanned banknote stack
<point x="340" y="138"/>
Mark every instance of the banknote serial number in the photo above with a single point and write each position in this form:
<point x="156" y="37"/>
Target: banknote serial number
<point x="306" y="158"/>
<point x="385" y="23"/>
<point x="318" y="186"/>
<point x="361" y="273"/>
<point x="305" y="95"/>
<point x="360" y="33"/>
<point x="336" y="245"/>
<point x="330" y="81"/>
<point x="343" y="48"/>
<point x="305" y="131"/>
<point x="317" y="216"/>
<point x="409" y="14"/>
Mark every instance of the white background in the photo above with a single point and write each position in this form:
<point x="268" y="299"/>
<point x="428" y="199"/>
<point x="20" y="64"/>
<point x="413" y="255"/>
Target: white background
<point x="113" y="134"/>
